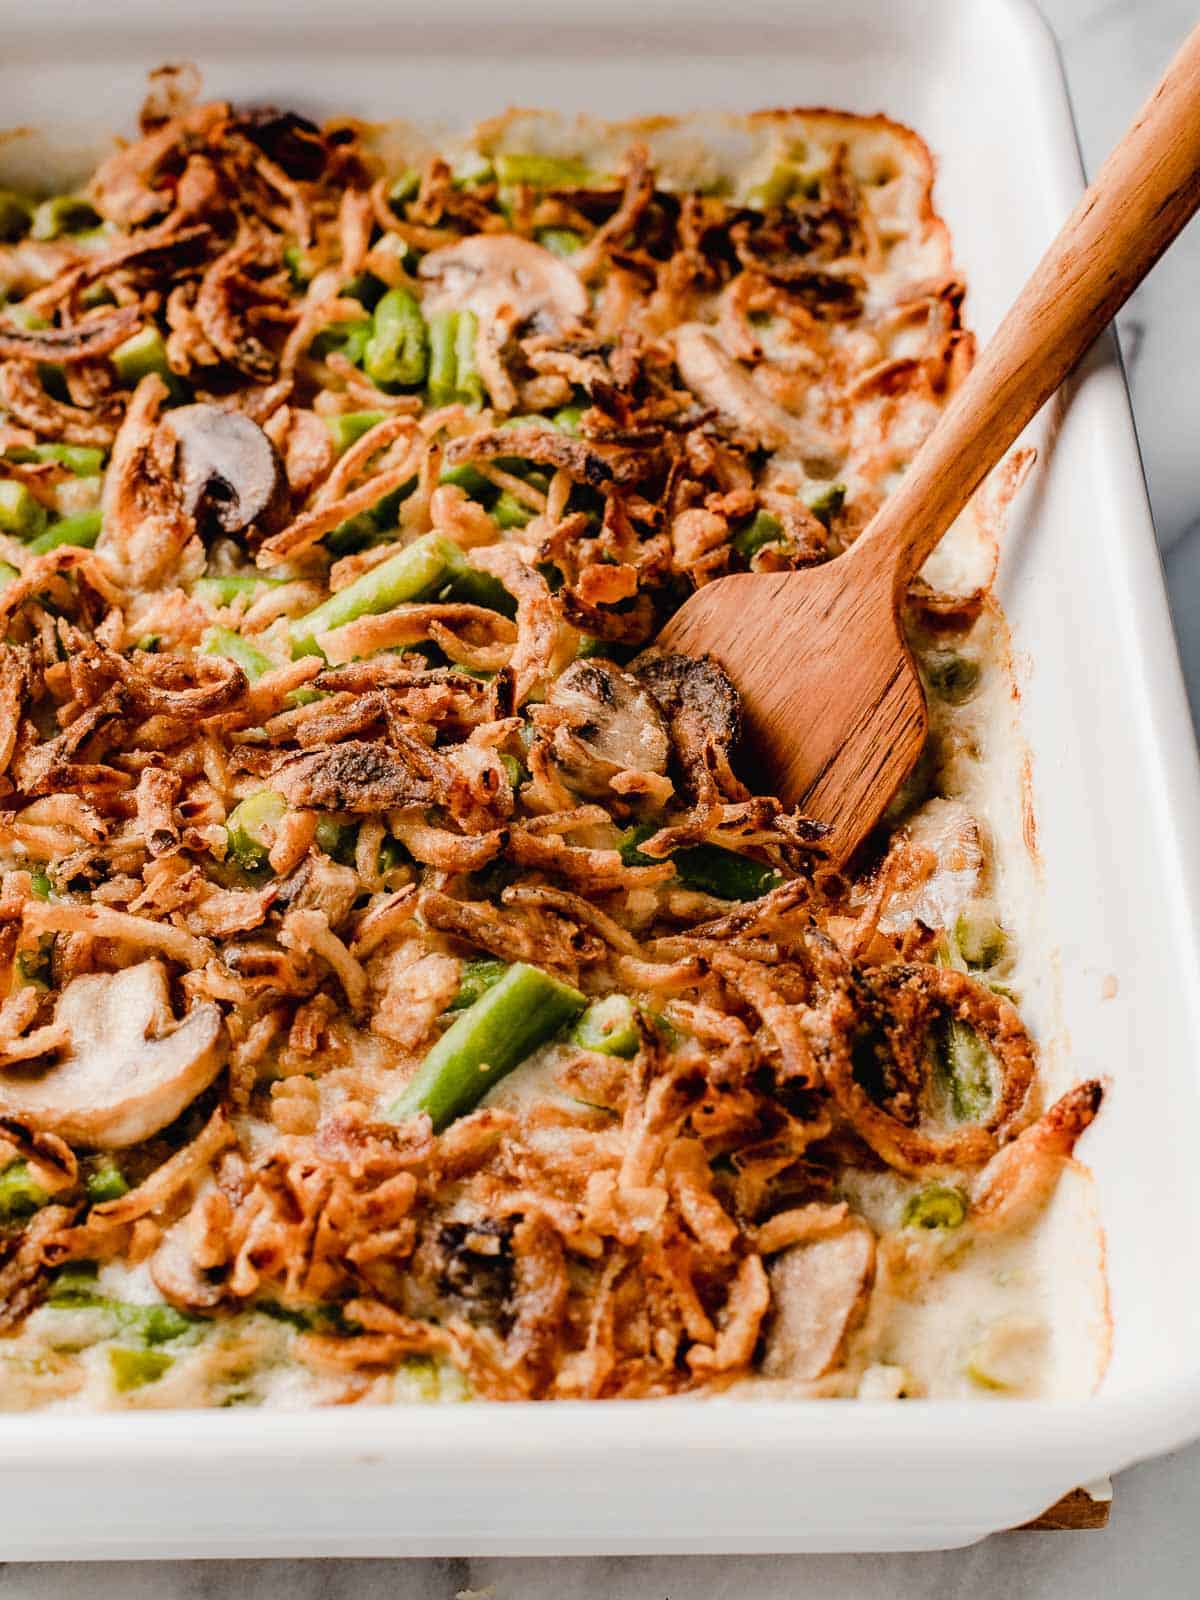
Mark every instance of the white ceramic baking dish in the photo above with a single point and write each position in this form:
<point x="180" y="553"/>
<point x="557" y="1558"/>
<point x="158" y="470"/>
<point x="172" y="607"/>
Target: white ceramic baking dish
<point x="1116" y="795"/>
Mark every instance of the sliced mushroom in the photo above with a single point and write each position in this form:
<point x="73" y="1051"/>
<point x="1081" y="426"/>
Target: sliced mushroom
<point x="945" y="869"/>
<point x="488" y="270"/>
<point x="130" y="1067"/>
<point x="702" y="708"/>
<point x="819" y="1292"/>
<point x="615" y="726"/>
<point x="230" y="474"/>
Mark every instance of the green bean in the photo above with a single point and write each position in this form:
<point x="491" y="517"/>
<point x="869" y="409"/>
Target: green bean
<point x="397" y="352"/>
<point x="980" y="939"/>
<point x="63" y="213"/>
<point x="476" y="978"/>
<point x="7" y="574"/>
<point x="250" y="827"/>
<point x="468" y="382"/>
<point x="20" y="1194"/>
<point x="935" y="1207"/>
<point x="473" y="169"/>
<point x="785" y="180"/>
<point x="514" y="771"/>
<point x="349" y="427"/>
<point x="222" y="589"/>
<point x="134" y="1369"/>
<point x="826" y="505"/>
<point x="405" y="187"/>
<point x="469" y="479"/>
<point x="21" y="513"/>
<point x="40" y="884"/>
<point x="430" y="565"/>
<point x="143" y="352"/>
<point x="722" y="873"/>
<point x="84" y="460"/>
<point x="225" y="642"/>
<point x="16" y="212"/>
<point x="953" y="677"/>
<point x="443" y="362"/>
<point x="523" y="1011"/>
<point x="763" y="529"/>
<point x="964" y="1067"/>
<point x="295" y="260"/>
<point x="105" y="1182"/>
<point x="510" y="512"/>
<point x="559" y="241"/>
<point x="609" y="1027"/>
<point x="541" y="171"/>
<point x="83" y="529"/>
<point x="413" y="574"/>
<point x="567" y="419"/>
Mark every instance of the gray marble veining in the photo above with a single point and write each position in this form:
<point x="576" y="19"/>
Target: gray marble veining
<point x="1114" y="50"/>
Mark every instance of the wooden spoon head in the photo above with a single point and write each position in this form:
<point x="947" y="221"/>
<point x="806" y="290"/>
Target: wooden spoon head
<point x="833" y="705"/>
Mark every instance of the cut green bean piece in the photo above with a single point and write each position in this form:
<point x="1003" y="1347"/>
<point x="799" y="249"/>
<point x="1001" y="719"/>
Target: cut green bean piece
<point x="224" y="588"/>
<point x="414" y="573"/>
<point x="397" y="353"/>
<point x="510" y="512"/>
<point x="84" y="460"/>
<point x="134" y="1369"/>
<point x="469" y="479"/>
<point x="83" y="529"/>
<point x="964" y="1064"/>
<point x="7" y="574"/>
<point x="405" y="187"/>
<point x="63" y="213"/>
<point x="473" y="169"/>
<point x="505" y="1026"/>
<point x="468" y="382"/>
<point x="105" y="1182"/>
<point x="16" y="213"/>
<point x="705" y="867"/>
<point x="514" y="771"/>
<point x="22" y="514"/>
<point x="559" y="241"/>
<point x="826" y="505"/>
<point x="431" y="565"/>
<point x="953" y="677"/>
<point x="40" y="884"/>
<point x="443" y="363"/>
<point x="567" y="419"/>
<point x="143" y="352"/>
<point x="349" y="427"/>
<point x="609" y="1027"/>
<point x="337" y="839"/>
<point x="980" y="939"/>
<point x="225" y="642"/>
<point x="763" y="529"/>
<point x="476" y="979"/>
<point x="250" y="828"/>
<point x="540" y="171"/>
<point x="936" y="1206"/>
<point x="20" y="1194"/>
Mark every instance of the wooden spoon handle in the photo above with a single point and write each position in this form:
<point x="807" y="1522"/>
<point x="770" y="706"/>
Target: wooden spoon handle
<point x="1143" y="195"/>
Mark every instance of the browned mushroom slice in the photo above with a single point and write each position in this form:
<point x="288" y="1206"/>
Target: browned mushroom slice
<point x="176" y="1275"/>
<point x="230" y="473"/>
<point x="615" y="726"/>
<point x="702" y="708"/>
<point x="356" y="775"/>
<point x="944" y="867"/>
<point x="488" y="270"/>
<point x="130" y="1067"/>
<point x="819" y="1292"/>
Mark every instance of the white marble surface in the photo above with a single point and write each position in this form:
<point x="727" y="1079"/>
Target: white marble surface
<point x="1114" y="50"/>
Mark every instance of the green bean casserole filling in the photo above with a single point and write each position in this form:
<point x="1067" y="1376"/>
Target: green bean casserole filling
<point x="408" y="994"/>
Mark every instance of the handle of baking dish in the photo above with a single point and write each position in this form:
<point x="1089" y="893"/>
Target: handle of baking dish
<point x="1142" y="197"/>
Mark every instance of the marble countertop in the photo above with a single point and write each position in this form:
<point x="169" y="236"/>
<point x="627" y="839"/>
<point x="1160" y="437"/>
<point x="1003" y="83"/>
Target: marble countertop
<point x="1114" y="50"/>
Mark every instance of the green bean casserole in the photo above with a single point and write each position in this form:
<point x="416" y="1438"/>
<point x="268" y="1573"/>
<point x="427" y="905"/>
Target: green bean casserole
<point x="409" y="994"/>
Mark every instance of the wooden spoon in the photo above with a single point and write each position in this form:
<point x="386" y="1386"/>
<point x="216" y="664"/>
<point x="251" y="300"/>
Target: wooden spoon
<point x="833" y="703"/>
